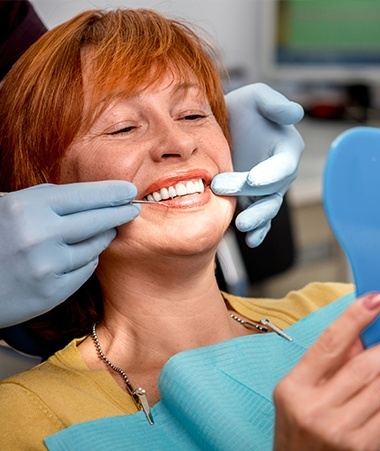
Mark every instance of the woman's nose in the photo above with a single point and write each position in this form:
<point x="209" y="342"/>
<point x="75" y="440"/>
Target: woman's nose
<point x="172" y="141"/>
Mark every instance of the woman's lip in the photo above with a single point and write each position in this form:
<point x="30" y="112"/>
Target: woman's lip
<point x="171" y="180"/>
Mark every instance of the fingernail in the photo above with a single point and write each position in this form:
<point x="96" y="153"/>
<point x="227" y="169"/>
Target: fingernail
<point x="372" y="301"/>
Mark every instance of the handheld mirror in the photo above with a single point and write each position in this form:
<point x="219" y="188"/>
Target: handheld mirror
<point x="351" y="197"/>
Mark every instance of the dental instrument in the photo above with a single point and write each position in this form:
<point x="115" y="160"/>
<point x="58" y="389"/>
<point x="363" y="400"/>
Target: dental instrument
<point x="149" y="202"/>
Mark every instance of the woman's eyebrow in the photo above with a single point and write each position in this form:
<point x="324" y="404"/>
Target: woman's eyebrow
<point x="185" y="86"/>
<point x="178" y="87"/>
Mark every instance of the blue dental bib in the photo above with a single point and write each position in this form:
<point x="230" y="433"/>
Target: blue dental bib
<point x="217" y="397"/>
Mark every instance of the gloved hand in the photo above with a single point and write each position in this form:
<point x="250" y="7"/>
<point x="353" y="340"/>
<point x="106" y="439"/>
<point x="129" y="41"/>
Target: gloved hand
<point x="51" y="236"/>
<point x="266" y="152"/>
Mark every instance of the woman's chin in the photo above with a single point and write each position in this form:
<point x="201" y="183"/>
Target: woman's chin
<point x="193" y="243"/>
<point x="196" y="231"/>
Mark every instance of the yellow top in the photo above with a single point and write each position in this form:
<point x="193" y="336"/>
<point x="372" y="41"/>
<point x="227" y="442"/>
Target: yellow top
<point x="63" y="391"/>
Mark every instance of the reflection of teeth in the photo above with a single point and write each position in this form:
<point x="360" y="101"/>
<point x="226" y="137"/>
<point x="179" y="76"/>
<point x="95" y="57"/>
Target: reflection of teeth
<point x="180" y="189"/>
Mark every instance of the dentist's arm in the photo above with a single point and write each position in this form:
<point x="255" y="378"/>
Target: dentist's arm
<point x="50" y="240"/>
<point x="266" y="152"/>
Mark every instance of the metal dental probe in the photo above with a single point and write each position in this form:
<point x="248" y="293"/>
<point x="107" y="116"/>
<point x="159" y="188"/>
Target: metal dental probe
<point x="149" y="202"/>
<point x="133" y="202"/>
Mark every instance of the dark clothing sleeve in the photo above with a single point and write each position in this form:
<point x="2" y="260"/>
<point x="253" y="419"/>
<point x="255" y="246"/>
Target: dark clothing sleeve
<point x="20" y="27"/>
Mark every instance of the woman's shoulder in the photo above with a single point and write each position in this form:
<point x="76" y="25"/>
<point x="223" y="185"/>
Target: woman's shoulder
<point x="58" y="393"/>
<point x="315" y="295"/>
<point x="62" y="361"/>
<point x="27" y="417"/>
<point x="37" y="387"/>
<point x="292" y="307"/>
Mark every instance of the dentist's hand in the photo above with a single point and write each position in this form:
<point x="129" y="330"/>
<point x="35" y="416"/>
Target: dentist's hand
<point x="266" y="152"/>
<point x="50" y="240"/>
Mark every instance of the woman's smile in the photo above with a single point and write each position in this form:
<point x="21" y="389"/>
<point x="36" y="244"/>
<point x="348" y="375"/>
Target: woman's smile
<point x="181" y="190"/>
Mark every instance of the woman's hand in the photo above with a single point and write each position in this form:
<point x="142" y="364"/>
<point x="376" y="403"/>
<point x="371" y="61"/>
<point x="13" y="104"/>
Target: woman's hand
<point x="331" y="399"/>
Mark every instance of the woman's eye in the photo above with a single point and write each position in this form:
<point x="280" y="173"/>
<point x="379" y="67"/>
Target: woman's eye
<point x="194" y="117"/>
<point x="122" y="130"/>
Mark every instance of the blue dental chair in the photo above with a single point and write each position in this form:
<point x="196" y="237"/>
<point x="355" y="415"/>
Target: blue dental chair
<point x="12" y="362"/>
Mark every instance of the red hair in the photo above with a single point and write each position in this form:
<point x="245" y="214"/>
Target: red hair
<point x="41" y="101"/>
<point x="42" y="109"/>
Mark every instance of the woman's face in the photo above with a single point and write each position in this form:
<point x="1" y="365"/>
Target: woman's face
<point x="166" y="141"/>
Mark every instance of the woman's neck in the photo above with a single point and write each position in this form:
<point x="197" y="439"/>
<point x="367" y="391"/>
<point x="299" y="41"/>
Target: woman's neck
<point x="149" y="319"/>
<point x="182" y="299"/>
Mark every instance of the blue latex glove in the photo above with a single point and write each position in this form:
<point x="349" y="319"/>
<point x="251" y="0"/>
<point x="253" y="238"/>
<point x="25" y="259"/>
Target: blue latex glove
<point x="51" y="236"/>
<point x="266" y="152"/>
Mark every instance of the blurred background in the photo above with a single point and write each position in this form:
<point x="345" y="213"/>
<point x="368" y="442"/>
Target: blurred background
<point x="324" y="54"/>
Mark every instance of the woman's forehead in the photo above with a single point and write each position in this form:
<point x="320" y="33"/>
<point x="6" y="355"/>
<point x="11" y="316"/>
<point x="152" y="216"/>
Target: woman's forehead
<point x="104" y="86"/>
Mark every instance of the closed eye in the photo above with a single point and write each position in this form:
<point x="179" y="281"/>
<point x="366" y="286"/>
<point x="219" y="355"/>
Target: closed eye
<point x="194" y="117"/>
<point x="122" y="130"/>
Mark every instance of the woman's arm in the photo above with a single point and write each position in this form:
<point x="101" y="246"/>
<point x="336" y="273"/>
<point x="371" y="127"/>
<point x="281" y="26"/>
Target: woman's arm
<point x="331" y="399"/>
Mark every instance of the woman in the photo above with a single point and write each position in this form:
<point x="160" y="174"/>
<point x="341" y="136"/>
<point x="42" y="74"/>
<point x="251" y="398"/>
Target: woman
<point x="23" y="295"/>
<point x="134" y="96"/>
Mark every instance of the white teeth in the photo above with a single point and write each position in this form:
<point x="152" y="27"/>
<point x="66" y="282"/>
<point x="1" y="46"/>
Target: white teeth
<point x="156" y="196"/>
<point x="172" y="191"/>
<point x="180" y="189"/>
<point x="164" y="193"/>
<point x="190" y="186"/>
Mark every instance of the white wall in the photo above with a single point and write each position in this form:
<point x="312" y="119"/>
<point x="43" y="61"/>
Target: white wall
<point x="235" y="24"/>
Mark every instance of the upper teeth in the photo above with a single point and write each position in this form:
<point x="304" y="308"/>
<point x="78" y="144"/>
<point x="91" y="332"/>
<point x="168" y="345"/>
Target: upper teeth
<point x="180" y="189"/>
